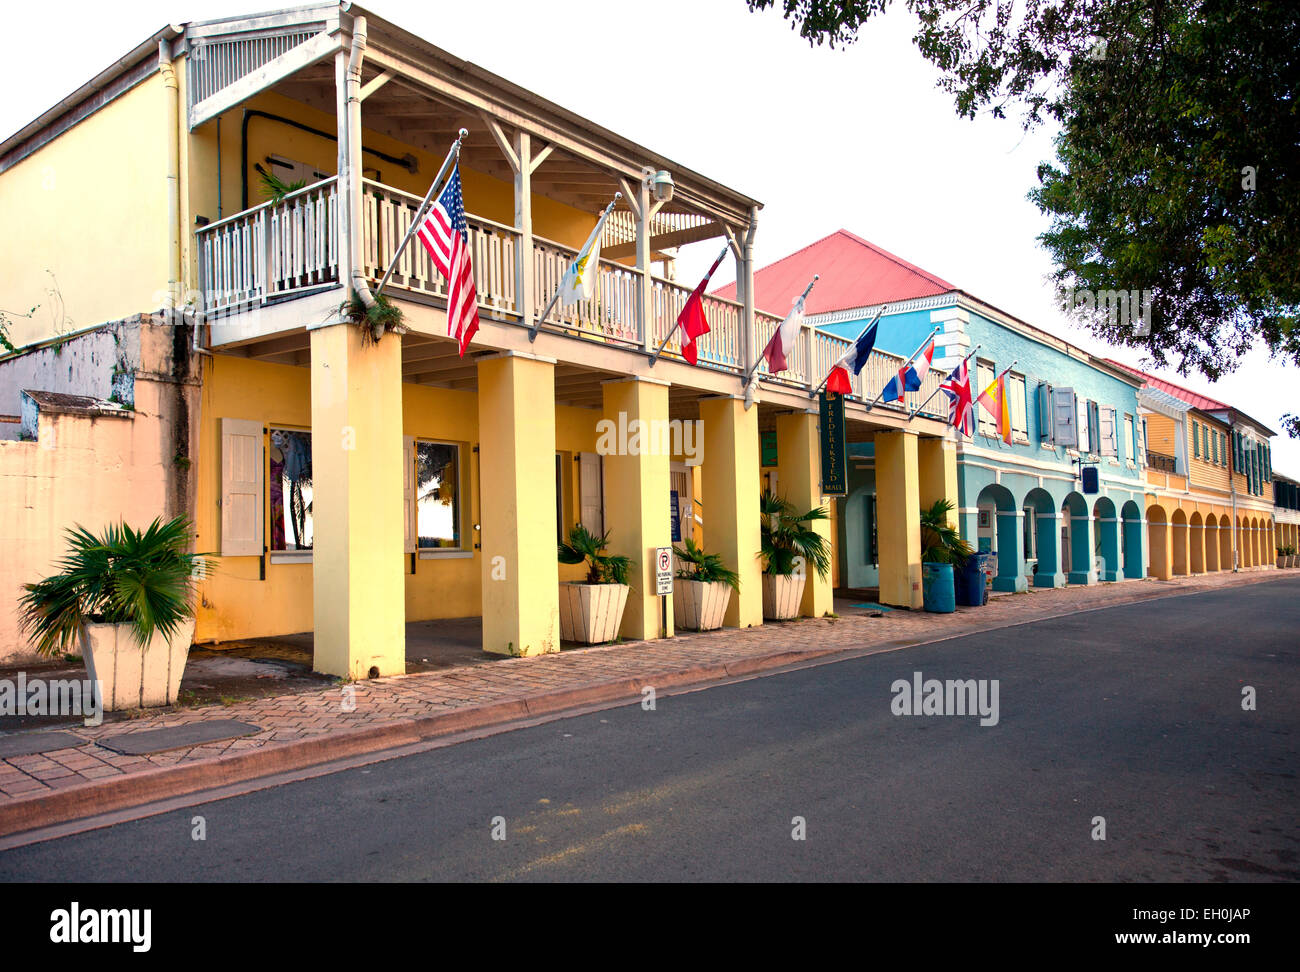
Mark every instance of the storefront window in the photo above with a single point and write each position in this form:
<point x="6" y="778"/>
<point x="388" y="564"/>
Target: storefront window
<point x="290" y="490"/>
<point x="437" y="510"/>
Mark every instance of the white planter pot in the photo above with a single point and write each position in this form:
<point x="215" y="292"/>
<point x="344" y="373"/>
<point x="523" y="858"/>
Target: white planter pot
<point x="698" y="606"/>
<point x="591" y="613"/>
<point x="131" y="675"/>
<point x="781" y="596"/>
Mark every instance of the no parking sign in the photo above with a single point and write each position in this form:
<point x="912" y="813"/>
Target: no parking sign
<point x="663" y="570"/>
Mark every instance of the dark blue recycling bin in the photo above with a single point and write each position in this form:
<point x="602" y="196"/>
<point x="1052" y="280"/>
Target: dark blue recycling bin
<point x="972" y="584"/>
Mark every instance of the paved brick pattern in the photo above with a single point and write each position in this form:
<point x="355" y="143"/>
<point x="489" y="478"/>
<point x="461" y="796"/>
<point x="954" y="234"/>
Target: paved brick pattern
<point x="290" y="718"/>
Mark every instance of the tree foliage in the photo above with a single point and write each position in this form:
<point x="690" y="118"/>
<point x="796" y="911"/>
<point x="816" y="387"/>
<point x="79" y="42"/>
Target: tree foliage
<point x="1177" y="168"/>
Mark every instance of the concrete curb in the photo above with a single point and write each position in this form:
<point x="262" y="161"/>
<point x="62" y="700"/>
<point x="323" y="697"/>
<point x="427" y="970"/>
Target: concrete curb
<point x="149" y="786"/>
<point x="164" y="782"/>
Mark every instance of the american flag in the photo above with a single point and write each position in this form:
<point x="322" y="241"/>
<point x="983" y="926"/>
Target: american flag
<point x="961" y="414"/>
<point x="445" y="234"/>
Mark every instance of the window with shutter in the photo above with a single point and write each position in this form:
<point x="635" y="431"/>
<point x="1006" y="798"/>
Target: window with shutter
<point x="1044" y="412"/>
<point x="1196" y="439"/>
<point x="1142" y="444"/>
<point x="1108" y="440"/>
<point x="591" y="490"/>
<point x="408" y="491"/>
<point x="1065" y="429"/>
<point x="1130" y="442"/>
<point x="241" y="488"/>
<point x="1017" y="407"/>
<point x="984" y="374"/>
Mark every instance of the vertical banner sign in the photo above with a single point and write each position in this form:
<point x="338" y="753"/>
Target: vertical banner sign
<point x="835" y="480"/>
<point x="676" y="517"/>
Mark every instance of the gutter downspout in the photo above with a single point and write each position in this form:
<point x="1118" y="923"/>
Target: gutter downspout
<point x="172" y="93"/>
<point x="358" y="277"/>
<point x="1232" y="482"/>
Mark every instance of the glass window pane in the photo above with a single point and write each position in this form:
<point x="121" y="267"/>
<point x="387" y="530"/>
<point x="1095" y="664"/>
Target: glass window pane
<point x="437" y="494"/>
<point x="290" y="490"/>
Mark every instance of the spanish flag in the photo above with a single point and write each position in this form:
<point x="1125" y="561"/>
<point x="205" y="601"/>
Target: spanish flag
<point x="994" y="400"/>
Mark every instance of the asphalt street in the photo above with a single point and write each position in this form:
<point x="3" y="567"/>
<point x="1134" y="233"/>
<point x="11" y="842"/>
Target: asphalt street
<point x="1133" y="714"/>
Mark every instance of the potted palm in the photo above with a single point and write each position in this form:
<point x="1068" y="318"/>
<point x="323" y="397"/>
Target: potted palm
<point x="126" y="598"/>
<point x="789" y="545"/>
<point x="942" y="551"/>
<point x="592" y="609"/>
<point x="702" y="590"/>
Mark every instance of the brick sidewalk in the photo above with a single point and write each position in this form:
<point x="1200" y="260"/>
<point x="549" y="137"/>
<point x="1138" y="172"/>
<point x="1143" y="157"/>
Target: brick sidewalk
<point x="319" y="716"/>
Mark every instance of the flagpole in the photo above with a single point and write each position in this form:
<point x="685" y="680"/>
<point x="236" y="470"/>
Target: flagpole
<point x="537" y="324"/>
<point x="453" y="155"/>
<point x="912" y="414"/>
<point x="749" y="376"/>
<point x="928" y="337"/>
<point x="659" y="350"/>
<point x="880" y="313"/>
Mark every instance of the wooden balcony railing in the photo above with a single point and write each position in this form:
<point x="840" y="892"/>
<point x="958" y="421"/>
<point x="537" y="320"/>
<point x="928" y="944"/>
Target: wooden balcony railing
<point x="277" y="250"/>
<point x="271" y="250"/>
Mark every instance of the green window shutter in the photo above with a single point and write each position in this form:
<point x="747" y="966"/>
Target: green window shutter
<point x="1196" y="439"/>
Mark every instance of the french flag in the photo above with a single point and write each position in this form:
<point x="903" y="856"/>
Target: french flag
<point x="856" y="358"/>
<point x="909" y="376"/>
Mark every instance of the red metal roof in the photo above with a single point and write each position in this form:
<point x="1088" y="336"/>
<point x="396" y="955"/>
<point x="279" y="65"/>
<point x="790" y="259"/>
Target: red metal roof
<point x="1194" y="399"/>
<point x="854" y="273"/>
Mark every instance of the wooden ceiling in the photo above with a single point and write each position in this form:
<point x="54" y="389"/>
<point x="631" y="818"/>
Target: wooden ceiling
<point x="425" y="120"/>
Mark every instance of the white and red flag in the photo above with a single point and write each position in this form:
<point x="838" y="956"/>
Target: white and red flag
<point x="445" y="235"/>
<point x="692" y="320"/>
<point x="782" y="344"/>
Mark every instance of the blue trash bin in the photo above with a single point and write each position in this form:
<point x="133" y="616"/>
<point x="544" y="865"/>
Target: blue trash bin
<point x="937" y="588"/>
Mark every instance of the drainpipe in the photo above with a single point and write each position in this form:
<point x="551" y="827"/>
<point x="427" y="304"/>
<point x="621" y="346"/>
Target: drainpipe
<point x="1232" y="483"/>
<point x="172" y="94"/>
<point x="359" y="285"/>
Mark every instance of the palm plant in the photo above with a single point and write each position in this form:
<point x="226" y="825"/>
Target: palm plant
<point x="602" y="568"/>
<point x="143" y="578"/>
<point x="941" y="543"/>
<point x="788" y="539"/>
<point x="707" y="568"/>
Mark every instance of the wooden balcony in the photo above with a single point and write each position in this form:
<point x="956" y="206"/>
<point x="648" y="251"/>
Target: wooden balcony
<point x="280" y="251"/>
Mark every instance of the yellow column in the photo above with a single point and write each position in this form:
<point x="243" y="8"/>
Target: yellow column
<point x="937" y="471"/>
<point x="637" y="495"/>
<point x="731" y="488"/>
<point x="799" y="475"/>
<point x="521" y="576"/>
<point x="357" y="488"/>
<point x="898" y="518"/>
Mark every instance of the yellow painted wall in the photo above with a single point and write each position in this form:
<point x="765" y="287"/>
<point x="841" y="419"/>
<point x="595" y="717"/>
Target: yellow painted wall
<point x="236" y="604"/>
<point x="1203" y="471"/>
<point x="1161" y="434"/>
<point x="90" y="207"/>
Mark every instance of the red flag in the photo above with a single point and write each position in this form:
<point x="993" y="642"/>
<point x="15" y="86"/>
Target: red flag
<point x="692" y="320"/>
<point x="838" y="381"/>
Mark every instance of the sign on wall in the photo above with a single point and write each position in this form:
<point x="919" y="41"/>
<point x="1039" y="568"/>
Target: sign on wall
<point x="835" y="479"/>
<point x="767" y="441"/>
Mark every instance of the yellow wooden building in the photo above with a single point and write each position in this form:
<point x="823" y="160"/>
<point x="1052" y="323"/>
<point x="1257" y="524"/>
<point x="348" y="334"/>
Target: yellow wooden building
<point x="350" y="485"/>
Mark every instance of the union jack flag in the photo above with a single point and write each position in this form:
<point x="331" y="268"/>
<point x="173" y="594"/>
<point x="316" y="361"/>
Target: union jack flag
<point x="961" y="414"/>
<point x="445" y="235"/>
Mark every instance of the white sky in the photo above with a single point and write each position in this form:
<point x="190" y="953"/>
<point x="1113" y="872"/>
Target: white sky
<point x="860" y="138"/>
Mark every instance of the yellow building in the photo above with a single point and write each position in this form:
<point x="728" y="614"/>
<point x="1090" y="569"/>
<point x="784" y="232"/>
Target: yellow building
<point x="1209" y="483"/>
<point x="243" y="178"/>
